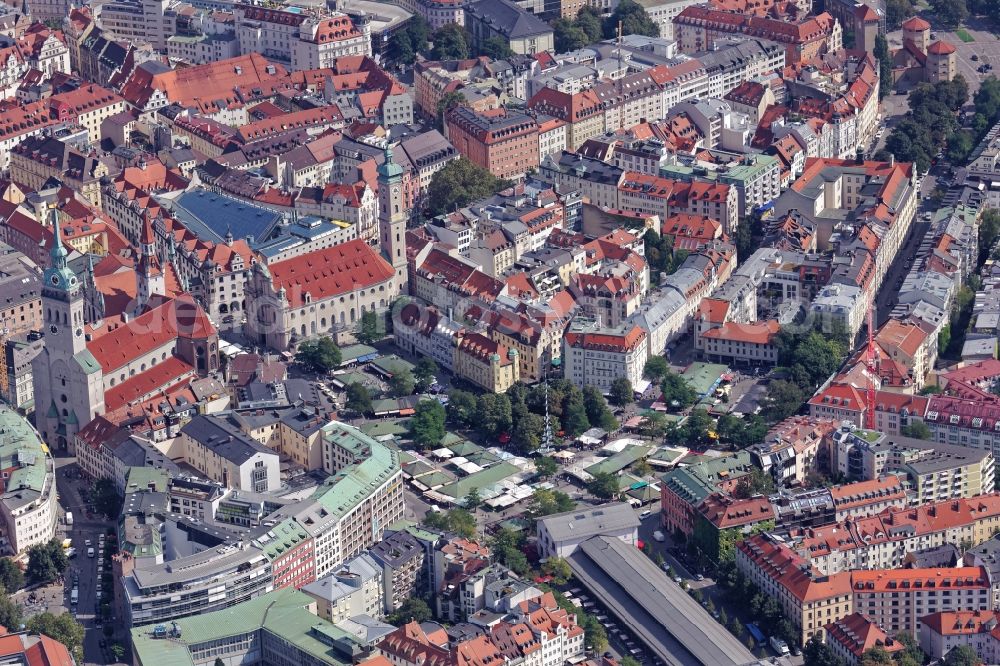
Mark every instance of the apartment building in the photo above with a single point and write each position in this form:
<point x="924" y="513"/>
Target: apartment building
<point x="502" y="141"/>
<point x="898" y="600"/>
<point x="219" y="450"/>
<point x="211" y="580"/>
<point x="595" y="356"/>
<point x="697" y="28"/>
<point x="403" y="562"/>
<point x="487" y="364"/>
<point x="28" y="508"/>
<point x="964" y="422"/>
<point x="353" y="589"/>
<point x="809" y="601"/>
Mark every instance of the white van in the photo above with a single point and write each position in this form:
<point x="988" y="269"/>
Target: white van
<point x="658" y="536"/>
<point x="90" y="552"/>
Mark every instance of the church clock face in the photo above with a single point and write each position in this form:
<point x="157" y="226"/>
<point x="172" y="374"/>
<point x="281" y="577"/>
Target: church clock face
<point x="54" y="280"/>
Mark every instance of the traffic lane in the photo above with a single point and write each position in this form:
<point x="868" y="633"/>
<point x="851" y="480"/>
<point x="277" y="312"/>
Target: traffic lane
<point x="651" y="524"/>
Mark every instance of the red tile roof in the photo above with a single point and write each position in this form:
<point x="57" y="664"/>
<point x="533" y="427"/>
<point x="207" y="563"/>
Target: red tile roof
<point x="940" y="48"/>
<point x="148" y="383"/>
<point x="616" y="342"/>
<point x="916" y="23"/>
<point x="756" y="333"/>
<point x="330" y="272"/>
<point x="117" y="344"/>
<point x="858" y="635"/>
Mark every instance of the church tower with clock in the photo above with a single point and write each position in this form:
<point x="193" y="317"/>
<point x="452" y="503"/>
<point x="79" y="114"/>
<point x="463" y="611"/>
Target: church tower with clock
<point x="68" y="380"/>
<point x="392" y="216"/>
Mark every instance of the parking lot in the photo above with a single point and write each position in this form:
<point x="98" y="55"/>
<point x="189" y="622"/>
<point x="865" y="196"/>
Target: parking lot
<point x="985" y="50"/>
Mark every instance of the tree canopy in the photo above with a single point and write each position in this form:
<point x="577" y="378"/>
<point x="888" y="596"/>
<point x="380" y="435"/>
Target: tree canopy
<point x="63" y="628"/>
<point x="656" y="369"/>
<point x="604" y="485"/>
<point x="451" y="42"/>
<point x="413" y="610"/>
<point x="634" y="21"/>
<point x="11" y="576"/>
<point x="427" y="423"/>
<point x="950" y="13"/>
<point x="318" y="355"/>
<point x="621" y="392"/>
<point x="458" y="521"/>
<point x="368" y="328"/>
<point x="677" y="389"/>
<point x="402" y="383"/>
<point x="460" y="183"/>
<point x="359" y="398"/>
<point x="46" y="562"/>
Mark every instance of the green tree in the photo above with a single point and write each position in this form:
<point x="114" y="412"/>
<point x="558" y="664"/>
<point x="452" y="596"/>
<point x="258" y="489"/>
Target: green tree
<point x="897" y="11"/>
<point x="677" y="390"/>
<point x="63" y="628"/>
<point x="629" y="661"/>
<point x="546" y="466"/>
<point x="621" y="392"/>
<point x="885" y="60"/>
<point x="418" y="30"/>
<point x="472" y="500"/>
<point x="559" y="569"/>
<point x="589" y="20"/>
<point x="633" y="19"/>
<point x="359" y="398"/>
<point x="546" y="502"/>
<point x="656" y="369"/>
<point x="783" y="399"/>
<point x="425" y="373"/>
<point x="876" y="656"/>
<point x="568" y="35"/>
<point x="516" y="561"/>
<point x="319" y="355"/>
<point x="451" y="42"/>
<point x="950" y="13"/>
<point x="11" y="576"/>
<point x="368" y="328"/>
<point x="427" y="423"/>
<point x="989" y="232"/>
<point x="460" y="183"/>
<point x="106" y="500"/>
<point x="497" y="48"/>
<point x="817" y="653"/>
<point x="494" y="416"/>
<point x="575" y="419"/>
<point x="46" y="562"/>
<point x="987" y="99"/>
<point x="413" y="610"/>
<point x="960" y="144"/>
<point x="604" y="485"/>
<point x="458" y="521"/>
<point x="461" y="407"/>
<point x="401" y="48"/>
<point x="912" y="650"/>
<point x="527" y="434"/>
<point x="10" y="611"/>
<point x="449" y="101"/>
<point x="917" y="430"/>
<point x="944" y="337"/>
<point x="594" y="634"/>
<point x="402" y="383"/>
<point x="961" y="655"/>
<point x="757" y="482"/>
<point x="598" y="413"/>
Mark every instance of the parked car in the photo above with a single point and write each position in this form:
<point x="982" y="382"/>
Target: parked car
<point x="90" y="552"/>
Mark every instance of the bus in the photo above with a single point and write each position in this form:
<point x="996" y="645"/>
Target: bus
<point x="757" y="634"/>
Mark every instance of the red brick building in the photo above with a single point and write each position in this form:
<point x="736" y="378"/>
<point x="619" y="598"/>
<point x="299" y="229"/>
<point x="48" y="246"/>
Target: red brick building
<point x="502" y="141"/>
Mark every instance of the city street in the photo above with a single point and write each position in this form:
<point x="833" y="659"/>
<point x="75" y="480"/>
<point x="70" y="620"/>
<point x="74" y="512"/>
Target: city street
<point x="83" y="528"/>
